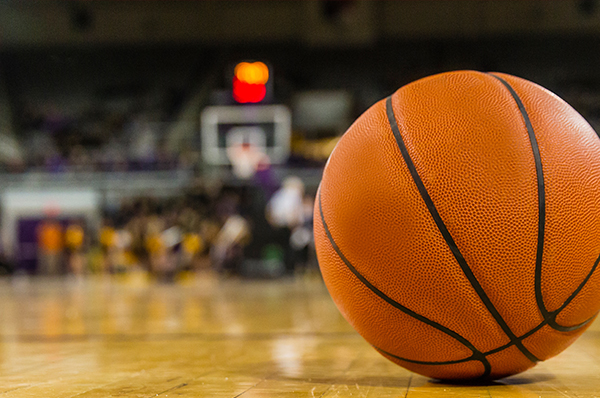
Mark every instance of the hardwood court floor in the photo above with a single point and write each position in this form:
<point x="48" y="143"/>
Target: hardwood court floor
<point x="102" y="337"/>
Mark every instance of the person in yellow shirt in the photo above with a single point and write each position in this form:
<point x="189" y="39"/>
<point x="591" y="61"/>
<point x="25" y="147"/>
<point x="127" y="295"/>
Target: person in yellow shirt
<point x="191" y="246"/>
<point x="155" y="246"/>
<point x="74" y="240"/>
<point x="107" y="238"/>
<point x="74" y="236"/>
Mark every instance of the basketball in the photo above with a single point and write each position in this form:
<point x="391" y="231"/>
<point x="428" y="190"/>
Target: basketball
<point x="457" y="225"/>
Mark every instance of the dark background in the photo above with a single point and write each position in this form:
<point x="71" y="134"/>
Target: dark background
<point x="107" y="96"/>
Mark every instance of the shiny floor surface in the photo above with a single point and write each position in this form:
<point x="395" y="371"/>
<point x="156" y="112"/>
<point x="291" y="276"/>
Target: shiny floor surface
<point x="103" y="337"/>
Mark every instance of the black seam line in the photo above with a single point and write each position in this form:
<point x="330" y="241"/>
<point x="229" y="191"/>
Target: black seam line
<point x="538" y="327"/>
<point x="448" y="237"/>
<point x="490" y="352"/>
<point x="477" y="355"/>
<point x="548" y="316"/>
<point x="541" y="199"/>
<point x="555" y="313"/>
<point x="471" y="358"/>
<point x="521" y="338"/>
<point x="487" y="368"/>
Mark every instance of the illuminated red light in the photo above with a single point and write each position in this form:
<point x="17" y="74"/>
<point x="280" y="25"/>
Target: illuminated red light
<point x="249" y="82"/>
<point x="247" y="92"/>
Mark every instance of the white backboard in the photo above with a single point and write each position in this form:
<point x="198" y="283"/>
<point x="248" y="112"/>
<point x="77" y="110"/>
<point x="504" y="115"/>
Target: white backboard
<point x="274" y="122"/>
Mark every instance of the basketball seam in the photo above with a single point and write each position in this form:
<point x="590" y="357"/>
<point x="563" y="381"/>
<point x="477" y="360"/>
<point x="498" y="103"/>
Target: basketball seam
<point x="477" y="355"/>
<point x="425" y="320"/>
<point x="448" y="237"/>
<point x="541" y="194"/>
<point x="549" y="316"/>
<point x="555" y="313"/>
<point x="471" y="358"/>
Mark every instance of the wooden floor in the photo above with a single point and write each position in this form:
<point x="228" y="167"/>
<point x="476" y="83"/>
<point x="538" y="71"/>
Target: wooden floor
<point x="103" y="337"/>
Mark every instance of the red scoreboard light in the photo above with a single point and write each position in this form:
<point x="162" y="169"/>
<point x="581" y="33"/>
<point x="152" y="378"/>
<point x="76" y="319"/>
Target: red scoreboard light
<point x="250" y="82"/>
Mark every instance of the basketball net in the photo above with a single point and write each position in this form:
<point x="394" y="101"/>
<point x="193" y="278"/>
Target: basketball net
<point x="245" y="159"/>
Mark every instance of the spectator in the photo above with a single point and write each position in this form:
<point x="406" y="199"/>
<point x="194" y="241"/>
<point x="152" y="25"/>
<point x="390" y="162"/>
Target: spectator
<point x="228" y="249"/>
<point x="74" y="240"/>
<point x="285" y="212"/>
<point x="50" y="246"/>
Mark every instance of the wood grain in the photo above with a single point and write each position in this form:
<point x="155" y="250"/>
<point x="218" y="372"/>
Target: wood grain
<point x="210" y="338"/>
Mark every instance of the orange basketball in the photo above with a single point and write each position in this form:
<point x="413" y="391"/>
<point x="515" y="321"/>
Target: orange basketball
<point x="457" y="225"/>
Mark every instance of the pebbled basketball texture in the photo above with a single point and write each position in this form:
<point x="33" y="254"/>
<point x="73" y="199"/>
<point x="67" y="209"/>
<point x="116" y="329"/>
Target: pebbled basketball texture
<point x="457" y="225"/>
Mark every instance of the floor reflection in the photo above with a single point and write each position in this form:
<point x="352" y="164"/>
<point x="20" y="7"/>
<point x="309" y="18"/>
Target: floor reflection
<point x="206" y="337"/>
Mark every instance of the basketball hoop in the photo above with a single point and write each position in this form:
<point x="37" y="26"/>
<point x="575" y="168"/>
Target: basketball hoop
<point x="245" y="159"/>
<point x="246" y="150"/>
<point x="265" y="126"/>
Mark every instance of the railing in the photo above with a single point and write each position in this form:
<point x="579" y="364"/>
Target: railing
<point x="149" y="182"/>
<point x="160" y="183"/>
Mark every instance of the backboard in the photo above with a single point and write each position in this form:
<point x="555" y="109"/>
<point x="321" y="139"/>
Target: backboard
<point x="267" y="127"/>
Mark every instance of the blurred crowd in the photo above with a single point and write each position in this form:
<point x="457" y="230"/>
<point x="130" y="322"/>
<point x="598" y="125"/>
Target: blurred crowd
<point x="129" y="138"/>
<point x="234" y="231"/>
